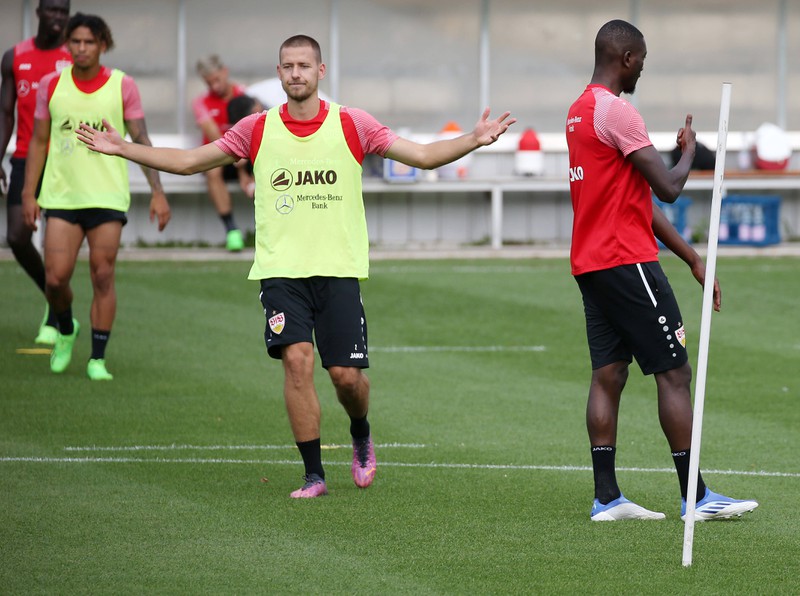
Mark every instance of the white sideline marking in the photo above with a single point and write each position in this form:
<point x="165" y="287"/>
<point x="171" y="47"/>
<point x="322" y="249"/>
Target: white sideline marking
<point x="458" y="349"/>
<point x="175" y="447"/>
<point x="294" y="462"/>
<point x="481" y="270"/>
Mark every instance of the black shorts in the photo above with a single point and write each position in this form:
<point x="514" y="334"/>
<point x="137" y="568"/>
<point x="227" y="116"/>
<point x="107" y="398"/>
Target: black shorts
<point x="230" y="173"/>
<point x="631" y="312"/>
<point x="328" y="307"/>
<point x="87" y="218"/>
<point x="17" y="181"/>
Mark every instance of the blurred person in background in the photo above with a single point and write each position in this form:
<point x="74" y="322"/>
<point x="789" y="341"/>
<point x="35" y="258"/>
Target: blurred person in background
<point x="22" y="67"/>
<point x="238" y="108"/>
<point x="211" y="115"/>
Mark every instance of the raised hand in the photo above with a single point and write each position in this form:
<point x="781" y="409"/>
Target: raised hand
<point x="488" y="131"/>
<point x="686" y="136"/>
<point x="106" y="141"/>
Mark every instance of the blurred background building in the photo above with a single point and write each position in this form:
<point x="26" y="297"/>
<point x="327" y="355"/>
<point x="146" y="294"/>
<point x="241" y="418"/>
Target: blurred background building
<point x="417" y="64"/>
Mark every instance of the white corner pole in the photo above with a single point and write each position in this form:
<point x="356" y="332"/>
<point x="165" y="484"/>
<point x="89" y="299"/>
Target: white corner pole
<point x="705" y="323"/>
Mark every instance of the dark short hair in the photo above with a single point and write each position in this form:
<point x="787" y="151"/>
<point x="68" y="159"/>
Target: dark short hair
<point x="297" y="41"/>
<point x="45" y="3"/>
<point x="616" y="36"/>
<point x="95" y="24"/>
<point x="239" y="107"/>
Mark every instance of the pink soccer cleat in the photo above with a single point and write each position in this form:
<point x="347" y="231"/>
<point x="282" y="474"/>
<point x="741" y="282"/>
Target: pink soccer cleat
<point x="364" y="464"/>
<point x="314" y="487"/>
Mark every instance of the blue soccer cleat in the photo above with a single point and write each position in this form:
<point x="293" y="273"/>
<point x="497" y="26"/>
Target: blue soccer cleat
<point x="620" y="509"/>
<point x="714" y="506"/>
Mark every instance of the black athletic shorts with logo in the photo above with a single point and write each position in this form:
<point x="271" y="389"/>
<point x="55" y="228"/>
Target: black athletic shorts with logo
<point x="631" y="312"/>
<point x="88" y="218"/>
<point x="328" y="307"/>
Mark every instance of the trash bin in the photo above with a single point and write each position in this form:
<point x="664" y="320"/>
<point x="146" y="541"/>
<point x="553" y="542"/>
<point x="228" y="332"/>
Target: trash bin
<point x="752" y="220"/>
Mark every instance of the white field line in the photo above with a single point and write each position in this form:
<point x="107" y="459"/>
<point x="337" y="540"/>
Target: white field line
<point x="442" y="465"/>
<point x="424" y="349"/>
<point x="176" y="447"/>
<point x="477" y="269"/>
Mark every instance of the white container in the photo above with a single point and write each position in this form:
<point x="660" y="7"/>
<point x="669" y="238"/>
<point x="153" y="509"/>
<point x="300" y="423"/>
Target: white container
<point x="529" y="159"/>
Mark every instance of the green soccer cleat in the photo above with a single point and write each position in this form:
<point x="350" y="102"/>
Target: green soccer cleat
<point x="234" y="241"/>
<point x="62" y="350"/>
<point x="96" y="370"/>
<point x="47" y="333"/>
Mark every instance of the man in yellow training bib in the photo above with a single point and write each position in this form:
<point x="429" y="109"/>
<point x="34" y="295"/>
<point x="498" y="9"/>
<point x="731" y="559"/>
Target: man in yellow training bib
<point x="84" y="194"/>
<point x="311" y="235"/>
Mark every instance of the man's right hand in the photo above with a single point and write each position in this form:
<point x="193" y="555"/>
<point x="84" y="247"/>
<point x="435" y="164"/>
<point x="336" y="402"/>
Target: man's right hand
<point x="106" y="141"/>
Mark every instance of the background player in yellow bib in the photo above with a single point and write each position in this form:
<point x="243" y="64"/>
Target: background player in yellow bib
<point x="311" y="235"/>
<point x="84" y="195"/>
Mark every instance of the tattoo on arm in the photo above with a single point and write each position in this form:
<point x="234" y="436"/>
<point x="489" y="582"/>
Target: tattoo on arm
<point x="138" y="131"/>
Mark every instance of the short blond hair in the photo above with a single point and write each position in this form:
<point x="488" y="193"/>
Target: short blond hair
<point x="212" y="63"/>
<point x="298" y="41"/>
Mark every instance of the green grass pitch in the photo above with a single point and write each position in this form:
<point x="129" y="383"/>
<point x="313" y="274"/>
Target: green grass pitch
<point x="174" y="478"/>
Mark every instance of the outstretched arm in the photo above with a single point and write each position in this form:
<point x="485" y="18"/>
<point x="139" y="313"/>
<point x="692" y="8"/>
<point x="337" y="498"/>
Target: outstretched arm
<point x="166" y="159"/>
<point x="439" y="153"/>
<point x="667" y="184"/>
<point x="159" y="207"/>
<point x="666" y="232"/>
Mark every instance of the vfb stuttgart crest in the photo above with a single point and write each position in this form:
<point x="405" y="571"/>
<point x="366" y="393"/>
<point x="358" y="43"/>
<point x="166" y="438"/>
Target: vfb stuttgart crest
<point x="680" y="335"/>
<point x="277" y="323"/>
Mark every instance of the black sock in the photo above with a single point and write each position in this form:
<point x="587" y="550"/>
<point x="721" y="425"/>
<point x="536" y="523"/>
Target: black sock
<point x="359" y="428"/>
<point x="227" y="219"/>
<point x="311" y="452"/>
<point x="99" y="342"/>
<point x="681" y="459"/>
<point x="65" y="326"/>
<point x="52" y="319"/>
<point x="605" y="475"/>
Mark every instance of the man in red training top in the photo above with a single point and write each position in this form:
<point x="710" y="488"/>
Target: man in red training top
<point x="211" y="115"/>
<point x="628" y="303"/>
<point x="23" y="66"/>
